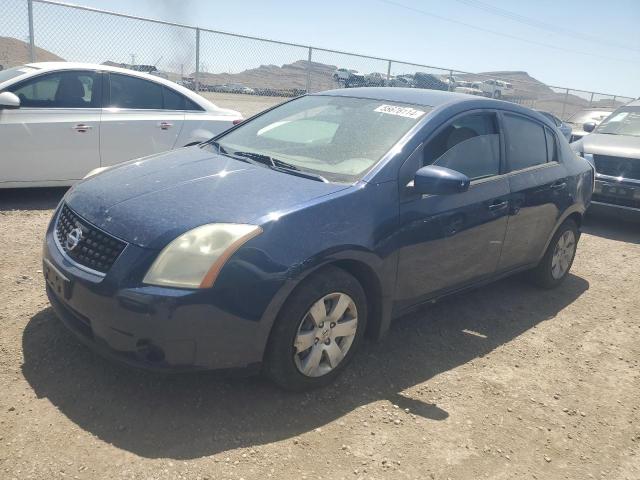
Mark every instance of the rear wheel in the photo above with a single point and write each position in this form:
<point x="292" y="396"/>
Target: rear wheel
<point x="556" y="263"/>
<point x="317" y="331"/>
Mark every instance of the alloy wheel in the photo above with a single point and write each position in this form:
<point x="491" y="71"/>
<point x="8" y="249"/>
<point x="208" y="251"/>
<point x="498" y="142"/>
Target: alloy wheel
<point x="325" y="334"/>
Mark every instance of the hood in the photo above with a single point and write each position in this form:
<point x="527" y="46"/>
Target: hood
<point x="626" y="146"/>
<point x="152" y="200"/>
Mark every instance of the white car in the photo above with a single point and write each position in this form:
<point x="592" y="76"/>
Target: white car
<point x="496" y="88"/>
<point x="60" y="120"/>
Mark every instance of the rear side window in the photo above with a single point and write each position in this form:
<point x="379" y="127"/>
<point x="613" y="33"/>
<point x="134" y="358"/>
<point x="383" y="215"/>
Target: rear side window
<point x="172" y="100"/>
<point x="469" y="145"/>
<point x="69" y="89"/>
<point x="526" y="142"/>
<point x="132" y="92"/>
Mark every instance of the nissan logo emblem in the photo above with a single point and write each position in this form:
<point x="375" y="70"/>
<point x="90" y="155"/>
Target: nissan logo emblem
<point x="73" y="238"/>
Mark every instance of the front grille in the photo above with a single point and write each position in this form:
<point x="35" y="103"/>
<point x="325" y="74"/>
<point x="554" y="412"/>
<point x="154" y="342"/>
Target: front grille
<point x="624" y="202"/>
<point x="618" y="166"/>
<point x="94" y="249"/>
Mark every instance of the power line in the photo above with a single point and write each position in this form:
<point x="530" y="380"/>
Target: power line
<point x="532" y="22"/>
<point x="501" y="34"/>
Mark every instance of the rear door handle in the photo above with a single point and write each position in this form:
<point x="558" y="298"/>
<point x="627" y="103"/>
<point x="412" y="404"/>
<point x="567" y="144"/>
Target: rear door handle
<point x="165" y="125"/>
<point x="82" y="128"/>
<point x="498" y="205"/>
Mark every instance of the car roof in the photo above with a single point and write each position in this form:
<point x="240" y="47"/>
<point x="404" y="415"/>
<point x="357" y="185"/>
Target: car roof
<point x="203" y="102"/>
<point x="422" y="96"/>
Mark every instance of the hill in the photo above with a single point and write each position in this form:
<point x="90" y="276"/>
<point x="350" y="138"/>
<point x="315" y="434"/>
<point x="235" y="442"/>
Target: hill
<point x="15" y="52"/>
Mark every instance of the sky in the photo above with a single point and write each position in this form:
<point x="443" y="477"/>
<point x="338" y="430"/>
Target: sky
<point x="585" y="44"/>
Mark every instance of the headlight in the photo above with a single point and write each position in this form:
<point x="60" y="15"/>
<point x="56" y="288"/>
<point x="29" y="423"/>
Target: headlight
<point x="194" y="259"/>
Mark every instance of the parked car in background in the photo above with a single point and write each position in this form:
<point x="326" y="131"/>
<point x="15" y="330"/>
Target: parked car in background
<point x="405" y="81"/>
<point x="496" y="88"/>
<point x="563" y="127"/>
<point x="234" y="88"/>
<point x="280" y="243"/>
<point x="349" y="77"/>
<point x="469" y="88"/>
<point x="613" y="147"/>
<point x="59" y="120"/>
<point x="375" y="79"/>
<point x="429" y="81"/>
<point x="578" y="119"/>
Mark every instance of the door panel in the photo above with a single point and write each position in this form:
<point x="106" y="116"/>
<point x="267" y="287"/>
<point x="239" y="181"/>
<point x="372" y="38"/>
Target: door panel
<point x="538" y="196"/>
<point x="450" y="240"/>
<point x="539" y="190"/>
<point x="137" y="120"/>
<point x="127" y="134"/>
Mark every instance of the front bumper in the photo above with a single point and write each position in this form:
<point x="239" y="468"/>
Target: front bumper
<point x="619" y="197"/>
<point x="152" y="327"/>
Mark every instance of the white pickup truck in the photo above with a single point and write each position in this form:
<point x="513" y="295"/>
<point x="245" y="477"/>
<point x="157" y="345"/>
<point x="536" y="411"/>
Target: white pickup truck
<point x="496" y="88"/>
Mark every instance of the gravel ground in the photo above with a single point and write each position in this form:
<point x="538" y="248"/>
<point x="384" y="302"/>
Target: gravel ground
<point x="506" y="382"/>
<point x="248" y="105"/>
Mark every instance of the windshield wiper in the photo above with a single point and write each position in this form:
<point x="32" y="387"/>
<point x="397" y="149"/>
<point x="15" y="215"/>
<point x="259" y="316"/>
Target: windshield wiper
<point x="280" y="166"/>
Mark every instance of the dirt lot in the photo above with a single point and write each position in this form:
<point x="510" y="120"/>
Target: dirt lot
<point x="506" y="382"/>
<point x="248" y="105"/>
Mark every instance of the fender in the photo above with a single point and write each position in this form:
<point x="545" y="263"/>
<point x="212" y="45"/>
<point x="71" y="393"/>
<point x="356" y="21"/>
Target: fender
<point x="198" y="135"/>
<point x="383" y="270"/>
<point x="575" y="208"/>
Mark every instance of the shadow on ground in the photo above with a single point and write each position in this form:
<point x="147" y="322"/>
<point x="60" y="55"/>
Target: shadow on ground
<point x="612" y="228"/>
<point x="194" y="415"/>
<point x="31" y="198"/>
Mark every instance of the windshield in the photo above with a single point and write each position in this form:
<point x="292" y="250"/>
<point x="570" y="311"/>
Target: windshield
<point x="584" y="116"/>
<point x="624" y="121"/>
<point x="338" y="138"/>
<point x="14" y="72"/>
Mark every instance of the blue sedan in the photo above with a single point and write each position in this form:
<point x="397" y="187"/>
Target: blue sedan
<point x="278" y="245"/>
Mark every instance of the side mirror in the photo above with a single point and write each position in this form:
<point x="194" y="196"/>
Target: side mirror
<point x="9" y="100"/>
<point x="589" y="126"/>
<point x="435" y="180"/>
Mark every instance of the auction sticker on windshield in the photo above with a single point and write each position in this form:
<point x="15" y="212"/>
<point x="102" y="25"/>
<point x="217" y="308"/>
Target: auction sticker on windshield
<point x="400" y="111"/>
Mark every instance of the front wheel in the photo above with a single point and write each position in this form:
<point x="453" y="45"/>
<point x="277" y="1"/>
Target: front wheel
<point x="556" y="263"/>
<point x="317" y="331"/>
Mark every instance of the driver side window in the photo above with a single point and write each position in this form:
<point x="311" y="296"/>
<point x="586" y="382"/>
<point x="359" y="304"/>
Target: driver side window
<point x="470" y="145"/>
<point x="66" y="89"/>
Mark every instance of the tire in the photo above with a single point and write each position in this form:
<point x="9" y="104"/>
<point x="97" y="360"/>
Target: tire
<point x="283" y="362"/>
<point x="545" y="274"/>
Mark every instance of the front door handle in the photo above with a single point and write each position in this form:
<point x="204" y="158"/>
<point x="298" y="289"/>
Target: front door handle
<point x="165" y="125"/>
<point x="498" y="205"/>
<point x="82" y="128"/>
<point x="559" y="185"/>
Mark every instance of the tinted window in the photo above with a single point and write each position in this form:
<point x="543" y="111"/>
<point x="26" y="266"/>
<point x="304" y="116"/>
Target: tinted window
<point x="172" y="100"/>
<point x="132" y="92"/>
<point x="189" y="105"/>
<point x="470" y="145"/>
<point x="59" y="90"/>
<point x="552" y="148"/>
<point x="526" y="143"/>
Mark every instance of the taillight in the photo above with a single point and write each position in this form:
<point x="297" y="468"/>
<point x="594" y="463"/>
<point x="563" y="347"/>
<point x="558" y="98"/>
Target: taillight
<point x="237" y="121"/>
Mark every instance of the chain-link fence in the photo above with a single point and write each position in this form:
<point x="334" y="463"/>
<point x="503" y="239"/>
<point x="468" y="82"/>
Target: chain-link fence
<point x="243" y="72"/>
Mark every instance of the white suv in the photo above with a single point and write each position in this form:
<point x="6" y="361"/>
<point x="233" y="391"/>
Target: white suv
<point x="496" y="88"/>
<point x="60" y="120"/>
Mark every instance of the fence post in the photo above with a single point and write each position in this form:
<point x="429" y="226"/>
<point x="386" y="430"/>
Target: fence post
<point x="389" y="71"/>
<point x="32" y="48"/>
<point x="591" y="100"/>
<point x="197" y="79"/>
<point x="614" y="101"/>
<point x="308" y="86"/>
<point x="450" y="82"/>
<point x="564" y="104"/>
